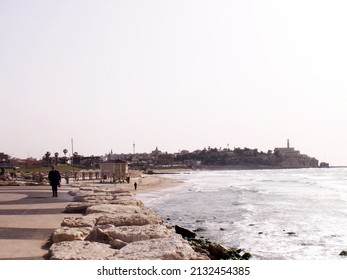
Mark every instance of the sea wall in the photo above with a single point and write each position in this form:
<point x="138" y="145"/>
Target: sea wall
<point x="115" y="225"/>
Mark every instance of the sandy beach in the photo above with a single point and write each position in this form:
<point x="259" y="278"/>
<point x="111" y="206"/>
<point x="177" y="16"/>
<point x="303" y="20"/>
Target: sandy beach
<point x="147" y="183"/>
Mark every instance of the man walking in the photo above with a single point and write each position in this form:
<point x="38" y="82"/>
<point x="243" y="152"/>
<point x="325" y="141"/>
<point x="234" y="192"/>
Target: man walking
<point x="54" y="180"/>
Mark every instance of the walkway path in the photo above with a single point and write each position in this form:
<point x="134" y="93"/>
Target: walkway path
<point x="28" y="217"/>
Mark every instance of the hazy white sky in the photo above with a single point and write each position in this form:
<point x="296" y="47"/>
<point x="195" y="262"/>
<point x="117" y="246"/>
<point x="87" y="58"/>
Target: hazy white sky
<point x="175" y="74"/>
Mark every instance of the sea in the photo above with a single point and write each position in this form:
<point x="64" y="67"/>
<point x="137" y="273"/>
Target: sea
<point x="275" y="214"/>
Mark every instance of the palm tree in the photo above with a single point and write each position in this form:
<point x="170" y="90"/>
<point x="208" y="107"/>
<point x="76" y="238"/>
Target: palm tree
<point x="47" y="155"/>
<point x="56" y="154"/>
<point x="65" y="158"/>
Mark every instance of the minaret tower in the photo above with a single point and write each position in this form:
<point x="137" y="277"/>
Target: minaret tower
<point x="288" y="143"/>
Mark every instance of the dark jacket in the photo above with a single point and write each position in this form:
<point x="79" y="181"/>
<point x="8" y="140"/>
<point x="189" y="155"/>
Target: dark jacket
<point x="54" y="177"/>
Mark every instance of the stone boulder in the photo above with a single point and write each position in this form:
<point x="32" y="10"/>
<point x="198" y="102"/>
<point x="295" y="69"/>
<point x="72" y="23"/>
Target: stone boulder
<point x="128" y="219"/>
<point x="81" y="250"/>
<point x="69" y="234"/>
<point x="96" y="198"/>
<point x="81" y="207"/>
<point x="80" y="195"/>
<point x="218" y="252"/>
<point x="78" y="207"/>
<point x="158" y="249"/>
<point x="343" y="253"/>
<point x="84" y="221"/>
<point x="96" y="191"/>
<point x="129" y="234"/>
<point x="215" y="251"/>
<point x="113" y="208"/>
<point x="186" y="233"/>
<point x="127" y="200"/>
<point x="110" y="190"/>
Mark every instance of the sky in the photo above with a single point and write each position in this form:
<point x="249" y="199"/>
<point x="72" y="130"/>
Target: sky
<point x="173" y="74"/>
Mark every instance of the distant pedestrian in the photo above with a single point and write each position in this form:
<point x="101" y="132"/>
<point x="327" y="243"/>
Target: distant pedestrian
<point x="54" y="180"/>
<point x="13" y="174"/>
<point x="135" y="185"/>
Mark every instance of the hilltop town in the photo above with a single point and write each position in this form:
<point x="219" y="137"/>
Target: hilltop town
<point x="207" y="158"/>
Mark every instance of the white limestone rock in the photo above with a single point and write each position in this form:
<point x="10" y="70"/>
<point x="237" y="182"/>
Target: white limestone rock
<point x="128" y="234"/>
<point x="111" y="190"/>
<point x="81" y="250"/>
<point x="78" y="207"/>
<point x="93" y="197"/>
<point x="131" y="234"/>
<point x="81" y="207"/>
<point x="79" y="196"/>
<point x="69" y="234"/>
<point x="102" y="199"/>
<point x="113" y="208"/>
<point x="127" y="201"/>
<point x="128" y="219"/>
<point x="158" y="249"/>
<point x="84" y="221"/>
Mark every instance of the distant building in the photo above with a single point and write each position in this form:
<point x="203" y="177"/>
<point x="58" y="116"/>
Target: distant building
<point x="28" y="163"/>
<point x="155" y="154"/>
<point x="114" y="170"/>
<point x="193" y="163"/>
<point x="76" y="158"/>
<point x="324" y="165"/>
<point x="161" y="158"/>
<point x="292" y="158"/>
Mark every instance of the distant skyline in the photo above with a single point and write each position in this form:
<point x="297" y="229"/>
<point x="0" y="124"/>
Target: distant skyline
<point x="134" y="151"/>
<point x="177" y="74"/>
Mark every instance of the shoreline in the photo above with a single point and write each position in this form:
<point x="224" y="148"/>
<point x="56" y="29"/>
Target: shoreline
<point x="114" y="224"/>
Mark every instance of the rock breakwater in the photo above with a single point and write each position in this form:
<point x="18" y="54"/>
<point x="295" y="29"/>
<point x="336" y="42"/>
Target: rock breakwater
<point x="115" y="225"/>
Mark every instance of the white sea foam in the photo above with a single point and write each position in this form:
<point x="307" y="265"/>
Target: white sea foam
<point x="274" y="214"/>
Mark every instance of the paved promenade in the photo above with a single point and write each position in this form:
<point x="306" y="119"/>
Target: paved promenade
<point x="28" y="217"/>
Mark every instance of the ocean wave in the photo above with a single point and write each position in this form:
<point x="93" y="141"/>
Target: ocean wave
<point x="258" y="209"/>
